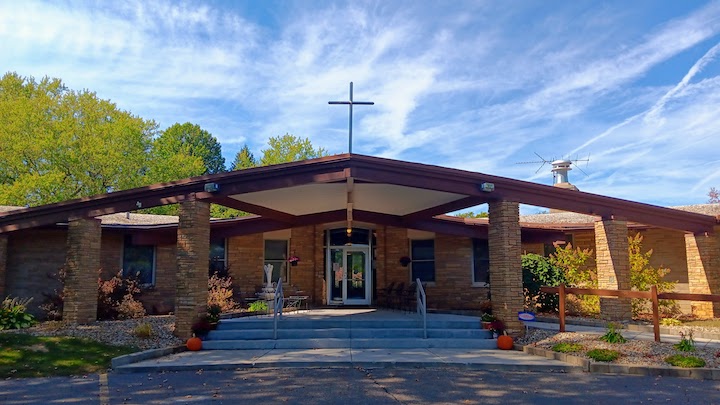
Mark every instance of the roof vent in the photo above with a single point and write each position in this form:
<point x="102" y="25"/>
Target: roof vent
<point x="560" y="169"/>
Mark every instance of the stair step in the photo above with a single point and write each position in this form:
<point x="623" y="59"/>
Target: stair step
<point x="338" y="333"/>
<point x="245" y="323"/>
<point x="380" y="343"/>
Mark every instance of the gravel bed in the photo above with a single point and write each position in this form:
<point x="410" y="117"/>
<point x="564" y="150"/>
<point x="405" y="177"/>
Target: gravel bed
<point x="633" y="352"/>
<point x="119" y="333"/>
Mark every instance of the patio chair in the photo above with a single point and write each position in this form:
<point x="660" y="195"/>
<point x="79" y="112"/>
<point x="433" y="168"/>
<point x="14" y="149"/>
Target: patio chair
<point x="396" y="296"/>
<point x="383" y="298"/>
<point x="409" y="298"/>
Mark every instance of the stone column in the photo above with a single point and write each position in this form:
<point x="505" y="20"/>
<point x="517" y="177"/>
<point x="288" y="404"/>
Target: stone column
<point x="3" y="265"/>
<point x="506" y="287"/>
<point x="703" y="264"/>
<point x="613" y="266"/>
<point x="193" y="252"/>
<point x="82" y="266"/>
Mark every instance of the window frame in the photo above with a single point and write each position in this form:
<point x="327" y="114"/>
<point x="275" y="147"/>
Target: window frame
<point x="127" y="242"/>
<point x="413" y="261"/>
<point x="224" y="259"/>
<point x="285" y="270"/>
<point x="476" y="283"/>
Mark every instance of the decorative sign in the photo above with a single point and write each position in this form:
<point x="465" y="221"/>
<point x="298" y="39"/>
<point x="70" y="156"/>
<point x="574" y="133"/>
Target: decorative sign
<point x="526" y="316"/>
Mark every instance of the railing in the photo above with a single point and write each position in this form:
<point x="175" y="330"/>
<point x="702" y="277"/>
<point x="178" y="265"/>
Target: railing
<point x="421" y="300"/>
<point x="277" y="307"/>
<point x="652" y="295"/>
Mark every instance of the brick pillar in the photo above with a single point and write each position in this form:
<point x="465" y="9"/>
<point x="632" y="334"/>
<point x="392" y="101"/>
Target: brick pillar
<point x="193" y="251"/>
<point x="3" y="264"/>
<point x="82" y="265"/>
<point x="703" y="264"/>
<point x="506" y="287"/>
<point x="613" y="266"/>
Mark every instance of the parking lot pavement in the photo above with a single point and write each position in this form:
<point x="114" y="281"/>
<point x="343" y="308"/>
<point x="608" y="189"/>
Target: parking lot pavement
<point x="357" y="385"/>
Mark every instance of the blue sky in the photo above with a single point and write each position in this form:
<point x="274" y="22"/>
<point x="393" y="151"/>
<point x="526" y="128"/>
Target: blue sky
<point x="476" y="85"/>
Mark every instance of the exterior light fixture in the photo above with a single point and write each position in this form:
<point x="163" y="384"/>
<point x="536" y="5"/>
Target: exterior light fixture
<point x="487" y="187"/>
<point x="212" y="187"/>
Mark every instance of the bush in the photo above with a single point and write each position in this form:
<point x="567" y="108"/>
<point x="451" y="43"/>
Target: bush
<point x="578" y="270"/>
<point x="201" y="327"/>
<point x="565" y="347"/>
<point x="220" y="292"/>
<point x="670" y="322"/>
<point x="258" y="306"/>
<point x="53" y="303"/>
<point x="603" y="355"/>
<point x="681" y="360"/>
<point x="537" y="272"/>
<point x="116" y="298"/>
<point x="143" y="331"/>
<point x="643" y="275"/>
<point x="612" y="335"/>
<point x="13" y="314"/>
<point x="213" y="313"/>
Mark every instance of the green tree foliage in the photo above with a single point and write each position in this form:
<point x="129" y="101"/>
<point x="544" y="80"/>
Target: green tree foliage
<point x="289" y="148"/>
<point x="471" y="214"/>
<point x="578" y="271"/>
<point x="537" y="272"/>
<point x="57" y="144"/>
<point x="185" y="150"/>
<point x="244" y="159"/>
<point x="643" y="276"/>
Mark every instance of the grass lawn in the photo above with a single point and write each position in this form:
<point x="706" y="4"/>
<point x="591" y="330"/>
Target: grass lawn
<point x="707" y="323"/>
<point x="23" y="355"/>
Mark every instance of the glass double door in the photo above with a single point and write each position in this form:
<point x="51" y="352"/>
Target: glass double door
<point x="349" y="276"/>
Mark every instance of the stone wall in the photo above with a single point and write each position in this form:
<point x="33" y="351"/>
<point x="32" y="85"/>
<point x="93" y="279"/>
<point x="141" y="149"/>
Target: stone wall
<point x="82" y="266"/>
<point x="245" y="263"/>
<point x="505" y="262"/>
<point x="613" y="266"/>
<point x="703" y="258"/>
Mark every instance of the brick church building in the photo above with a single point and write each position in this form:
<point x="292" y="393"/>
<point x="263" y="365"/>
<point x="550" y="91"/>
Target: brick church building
<point x="357" y="225"/>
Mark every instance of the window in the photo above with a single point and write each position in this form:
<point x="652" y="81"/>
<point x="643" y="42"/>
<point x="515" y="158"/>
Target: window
<point x="276" y="253"/>
<point x="139" y="261"/>
<point x="422" y="253"/>
<point x="217" y="258"/>
<point x="481" y="261"/>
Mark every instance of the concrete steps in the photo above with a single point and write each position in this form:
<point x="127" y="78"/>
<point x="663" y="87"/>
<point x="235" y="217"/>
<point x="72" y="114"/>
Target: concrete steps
<point x="309" y="333"/>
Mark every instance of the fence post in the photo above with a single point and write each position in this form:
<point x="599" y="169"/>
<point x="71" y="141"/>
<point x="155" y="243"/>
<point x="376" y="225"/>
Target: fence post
<point x="561" y="295"/>
<point x="656" y="312"/>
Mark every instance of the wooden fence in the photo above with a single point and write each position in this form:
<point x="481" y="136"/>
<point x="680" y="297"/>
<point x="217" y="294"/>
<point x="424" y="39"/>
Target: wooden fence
<point x="652" y="295"/>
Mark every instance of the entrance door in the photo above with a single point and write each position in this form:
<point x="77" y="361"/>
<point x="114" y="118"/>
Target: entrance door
<point x="349" y="276"/>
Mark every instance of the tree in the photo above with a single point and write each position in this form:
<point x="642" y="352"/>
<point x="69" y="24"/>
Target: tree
<point x="643" y="275"/>
<point x="471" y="214"/>
<point x="185" y="150"/>
<point x="289" y="148"/>
<point x="57" y="144"/>
<point x="714" y="196"/>
<point x="244" y="159"/>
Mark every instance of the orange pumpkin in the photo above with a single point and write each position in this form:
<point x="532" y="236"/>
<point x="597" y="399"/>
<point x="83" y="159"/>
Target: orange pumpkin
<point x="505" y="342"/>
<point x="194" y="344"/>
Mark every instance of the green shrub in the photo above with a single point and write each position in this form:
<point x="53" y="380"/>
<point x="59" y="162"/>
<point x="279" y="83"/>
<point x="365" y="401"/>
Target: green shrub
<point x="213" y="313"/>
<point x="13" y="314"/>
<point x="577" y="268"/>
<point x="143" y="331"/>
<point x="686" y="344"/>
<point x="643" y="275"/>
<point x="670" y="322"/>
<point x="612" y="335"/>
<point x="603" y="355"/>
<point x="565" y="347"/>
<point x="681" y="360"/>
<point x="537" y="272"/>
<point x="258" y="306"/>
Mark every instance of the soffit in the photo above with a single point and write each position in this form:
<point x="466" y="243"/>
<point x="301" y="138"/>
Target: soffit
<point x="316" y="198"/>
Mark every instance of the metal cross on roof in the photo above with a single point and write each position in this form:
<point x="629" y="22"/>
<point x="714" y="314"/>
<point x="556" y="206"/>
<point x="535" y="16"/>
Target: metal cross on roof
<point x="351" y="103"/>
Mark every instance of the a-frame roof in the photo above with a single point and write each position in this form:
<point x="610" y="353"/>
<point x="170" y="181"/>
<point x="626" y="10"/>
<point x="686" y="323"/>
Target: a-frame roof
<point x="364" y="188"/>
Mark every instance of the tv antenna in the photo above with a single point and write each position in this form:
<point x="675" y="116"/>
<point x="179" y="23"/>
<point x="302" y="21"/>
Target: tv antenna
<point x="560" y="167"/>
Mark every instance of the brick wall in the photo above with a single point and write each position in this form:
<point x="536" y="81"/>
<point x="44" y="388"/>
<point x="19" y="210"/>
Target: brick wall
<point x="613" y="266"/>
<point x="505" y="262"/>
<point x="397" y="245"/>
<point x="245" y="262"/>
<point x="193" y="251"/>
<point x="82" y="266"/>
<point x="703" y="261"/>
<point x="536" y="248"/>
<point x="319" y="289"/>
<point x="302" y="245"/>
<point x="3" y="264"/>
<point x="453" y="288"/>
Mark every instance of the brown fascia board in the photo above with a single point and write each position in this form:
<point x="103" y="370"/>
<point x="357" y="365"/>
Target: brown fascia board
<point x="373" y="169"/>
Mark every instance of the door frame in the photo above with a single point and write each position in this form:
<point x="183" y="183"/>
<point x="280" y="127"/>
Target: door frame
<point x="368" y="275"/>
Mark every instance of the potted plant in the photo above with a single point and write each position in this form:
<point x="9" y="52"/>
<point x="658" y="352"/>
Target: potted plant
<point x="201" y="327"/>
<point x="213" y="314"/>
<point x="293" y="260"/>
<point x="404" y="261"/>
<point x="497" y="327"/>
<point x="486" y="319"/>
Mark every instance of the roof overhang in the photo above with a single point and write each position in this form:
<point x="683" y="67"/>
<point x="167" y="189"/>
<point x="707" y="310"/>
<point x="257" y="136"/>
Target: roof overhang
<point x="356" y="188"/>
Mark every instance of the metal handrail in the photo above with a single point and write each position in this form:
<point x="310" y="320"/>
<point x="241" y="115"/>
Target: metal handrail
<point x="421" y="300"/>
<point x="277" y="307"/>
